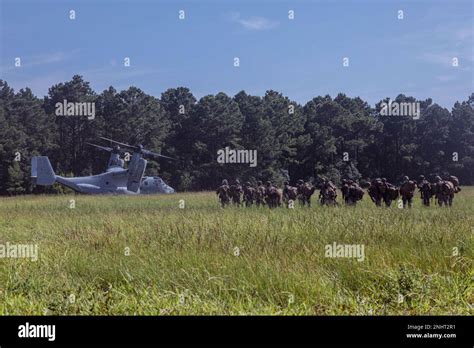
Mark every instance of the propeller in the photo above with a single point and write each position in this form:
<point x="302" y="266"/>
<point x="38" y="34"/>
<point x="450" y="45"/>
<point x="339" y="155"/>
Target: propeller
<point x="105" y="148"/>
<point x="139" y="149"/>
<point x="123" y="144"/>
<point x="155" y="155"/>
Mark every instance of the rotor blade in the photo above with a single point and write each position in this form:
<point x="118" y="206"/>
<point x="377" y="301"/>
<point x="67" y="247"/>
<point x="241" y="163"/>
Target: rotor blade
<point x="105" y="148"/>
<point x="143" y="151"/>
<point x="119" y="143"/>
<point x="154" y="154"/>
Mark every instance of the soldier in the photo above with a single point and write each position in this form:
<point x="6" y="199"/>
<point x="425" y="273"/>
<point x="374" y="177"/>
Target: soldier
<point x="249" y="194"/>
<point x="390" y="192"/>
<point x="223" y="193"/>
<point x="328" y="193"/>
<point x="407" y="190"/>
<point x="345" y="190"/>
<point x="436" y="189"/>
<point x="235" y="192"/>
<point x="289" y="193"/>
<point x="455" y="182"/>
<point x="260" y="194"/>
<point x="355" y="193"/>
<point x="273" y="195"/>
<point x="305" y="191"/>
<point x="300" y="189"/>
<point x="376" y="191"/>
<point x="425" y="189"/>
<point x="444" y="191"/>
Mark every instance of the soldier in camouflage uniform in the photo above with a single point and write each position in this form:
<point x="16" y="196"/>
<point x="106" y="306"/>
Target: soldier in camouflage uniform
<point x="376" y="191"/>
<point x="290" y="193"/>
<point x="426" y="191"/>
<point x="455" y="182"/>
<point x="236" y="192"/>
<point x="407" y="190"/>
<point x="273" y="195"/>
<point x="260" y="194"/>
<point x="305" y="191"/>
<point x="299" y="189"/>
<point x="444" y="191"/>
<point x="344" y="190"/>
<point x="355" y="193"/>
<point x="327" y="193"/>
<point x="390" y="192"/>
<point x="249" y="194"/>
<point x="223" y="193"/>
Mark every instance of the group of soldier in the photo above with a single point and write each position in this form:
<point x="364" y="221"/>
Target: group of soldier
<point x="379" y="190"/>
<point x="442" y="190"/>
<point x="273" y="196"/>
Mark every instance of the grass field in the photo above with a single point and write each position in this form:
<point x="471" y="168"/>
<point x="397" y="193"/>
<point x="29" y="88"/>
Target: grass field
<point x="146" y="255"/>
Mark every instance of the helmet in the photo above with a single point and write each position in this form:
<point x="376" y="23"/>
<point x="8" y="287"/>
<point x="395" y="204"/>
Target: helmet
<point x="300" y="181"/>
<point x="437" y="178"/>
<point x="384" y="180"/>
<point x="224" y="182"/>
<point x="406" y="178"/>
<point x="269" y="183"/>
<point x="237" y="181"/>
<point x="422" y="177"/>
<point x="248" y="183"/>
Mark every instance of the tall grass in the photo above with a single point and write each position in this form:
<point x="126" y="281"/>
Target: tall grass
<point x="146" y="255"/>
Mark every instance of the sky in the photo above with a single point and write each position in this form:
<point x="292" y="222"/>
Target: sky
<point x="300" y="57"/>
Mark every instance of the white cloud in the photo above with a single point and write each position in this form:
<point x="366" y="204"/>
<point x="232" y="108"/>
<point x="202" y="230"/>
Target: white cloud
<point x="442" y="43"/>
<point x="439" y="58"/>
<point x="38" y="60"/>
<point x="452" y="42"/>
<point x="254" y="23"/>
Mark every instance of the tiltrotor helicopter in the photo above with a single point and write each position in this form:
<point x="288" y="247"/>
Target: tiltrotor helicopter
<point x="116" y="180"/>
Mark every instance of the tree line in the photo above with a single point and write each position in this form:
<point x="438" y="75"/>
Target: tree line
<point x="337" y="138"/>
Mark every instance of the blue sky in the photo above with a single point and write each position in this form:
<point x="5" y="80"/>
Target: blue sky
<point x="301" y="58"/>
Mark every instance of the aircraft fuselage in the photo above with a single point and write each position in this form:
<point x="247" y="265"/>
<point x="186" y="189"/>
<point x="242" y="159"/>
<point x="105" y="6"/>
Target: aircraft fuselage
<point x="114" y="181"/>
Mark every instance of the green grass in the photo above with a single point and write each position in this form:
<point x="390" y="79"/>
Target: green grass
<point x="182" y="261"/>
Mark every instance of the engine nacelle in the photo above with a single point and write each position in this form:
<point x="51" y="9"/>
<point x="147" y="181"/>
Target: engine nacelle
<point x="135" y="173"/>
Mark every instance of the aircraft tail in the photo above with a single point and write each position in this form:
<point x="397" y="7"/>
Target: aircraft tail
<point x="41" y="171"/>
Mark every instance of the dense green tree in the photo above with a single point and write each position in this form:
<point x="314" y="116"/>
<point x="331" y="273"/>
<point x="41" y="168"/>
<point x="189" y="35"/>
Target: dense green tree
<point x="460" y="145"/>
<point x="336" y="138"/>
<point x="287" y="121"/>
<point x="25" y="129"/>
<point x="71" y="131"/>
<point x="179" y="105"/>
<point x="258" y="134"/>
<point x="217" y="123"/>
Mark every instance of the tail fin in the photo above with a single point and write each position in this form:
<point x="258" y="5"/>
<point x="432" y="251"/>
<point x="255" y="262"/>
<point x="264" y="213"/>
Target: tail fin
<point x="41" y="171"/>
